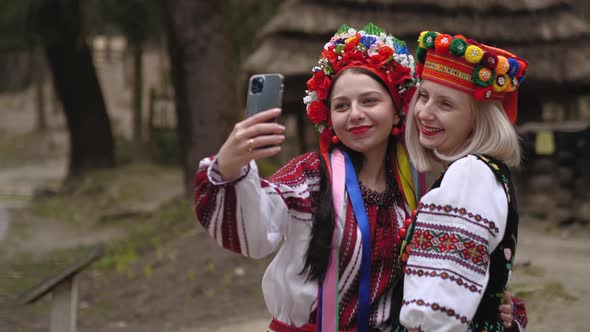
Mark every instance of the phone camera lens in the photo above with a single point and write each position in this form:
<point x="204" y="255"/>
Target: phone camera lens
<point x="257" y="85"/>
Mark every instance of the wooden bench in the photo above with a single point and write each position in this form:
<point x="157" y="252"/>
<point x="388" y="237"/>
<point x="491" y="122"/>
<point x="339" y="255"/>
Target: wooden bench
<point x="63" y="287"/>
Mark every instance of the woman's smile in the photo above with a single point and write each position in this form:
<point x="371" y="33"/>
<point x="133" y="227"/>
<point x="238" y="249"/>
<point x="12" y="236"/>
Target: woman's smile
<point x="430" y="131"/>
<point x="359" y="130"/>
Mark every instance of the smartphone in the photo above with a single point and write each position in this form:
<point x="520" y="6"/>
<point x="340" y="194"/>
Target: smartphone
<point x="265" y="91"/>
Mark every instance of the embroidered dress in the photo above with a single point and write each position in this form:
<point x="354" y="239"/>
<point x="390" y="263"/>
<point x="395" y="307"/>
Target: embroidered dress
<point x="462" y="249"/>
<point x="255" y="217"/>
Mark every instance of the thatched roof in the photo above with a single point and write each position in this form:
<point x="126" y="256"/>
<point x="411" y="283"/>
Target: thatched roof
<point x="547" y="33"/>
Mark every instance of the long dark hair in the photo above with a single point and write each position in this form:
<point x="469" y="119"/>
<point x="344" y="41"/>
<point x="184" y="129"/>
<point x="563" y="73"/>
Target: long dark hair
<point x="317" y="256"/>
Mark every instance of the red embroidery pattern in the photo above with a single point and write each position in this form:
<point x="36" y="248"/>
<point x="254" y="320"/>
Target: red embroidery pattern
<point x="436" y="307"/>
<point x="453" y="244"/>
<point x="445" y="275"/>
<point x="461" y="213"/>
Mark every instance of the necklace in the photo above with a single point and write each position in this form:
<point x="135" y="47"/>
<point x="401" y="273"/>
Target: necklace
<point x="382" y="199"/>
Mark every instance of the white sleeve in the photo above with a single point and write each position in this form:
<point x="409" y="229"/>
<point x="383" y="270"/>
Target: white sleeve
<point x="250" y="215"/>
<point x="457" y="226"/>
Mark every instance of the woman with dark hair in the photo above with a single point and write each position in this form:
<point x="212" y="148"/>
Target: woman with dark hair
<point x="336" y="216"/>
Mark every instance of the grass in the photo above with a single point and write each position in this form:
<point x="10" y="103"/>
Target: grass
<point x="82" y="204"/>
<point x="151" y="234"/>
<point x="102" y="191"/>
<point x="23" y="272"/>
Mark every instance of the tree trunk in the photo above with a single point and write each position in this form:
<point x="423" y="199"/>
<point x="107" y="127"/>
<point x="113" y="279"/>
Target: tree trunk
<point x="137" y="50"/>
<point x="41" y="124"/>
<point x="201" y="63"/>
<point x="76" y="84"/>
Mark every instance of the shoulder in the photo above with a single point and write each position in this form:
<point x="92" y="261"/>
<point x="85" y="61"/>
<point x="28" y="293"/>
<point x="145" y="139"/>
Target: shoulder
<point x="308" y="161"/>
<point x="307" y="165"/>
<point x="470" y="169"/>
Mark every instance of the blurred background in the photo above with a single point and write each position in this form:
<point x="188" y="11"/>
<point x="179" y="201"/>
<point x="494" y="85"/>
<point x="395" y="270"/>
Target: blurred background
<point x="107" y="106"/>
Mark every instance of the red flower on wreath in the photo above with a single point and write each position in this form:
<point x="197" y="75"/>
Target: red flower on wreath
<point x="317" y="112"/>
<point x="381" y="58"/>
<point x="329" y="54"/>
<point x="398" y="74"/>
<point x="352" y="43"/>
<point x="320" y="83"/>
<point x="353" y="57"/>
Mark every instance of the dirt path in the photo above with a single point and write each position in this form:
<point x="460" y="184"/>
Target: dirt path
<point x="551" y="276"/>
<point x="556" y="283"/>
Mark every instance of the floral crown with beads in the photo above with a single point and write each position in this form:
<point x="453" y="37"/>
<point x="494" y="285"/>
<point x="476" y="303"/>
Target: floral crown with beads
<point x="485" y="72"/>
<point x="370" y="48"/>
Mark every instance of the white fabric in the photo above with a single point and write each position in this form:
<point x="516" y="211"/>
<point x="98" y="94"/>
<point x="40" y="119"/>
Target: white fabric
<point x="263" y="224"/>
<point x="468" y="184"/>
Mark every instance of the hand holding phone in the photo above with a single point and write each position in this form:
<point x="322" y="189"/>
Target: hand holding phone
<point x="257" y="136"/>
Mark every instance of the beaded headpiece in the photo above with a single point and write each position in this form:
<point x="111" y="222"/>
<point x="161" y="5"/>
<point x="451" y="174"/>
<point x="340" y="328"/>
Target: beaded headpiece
<point x="370" y="48"/>
<point x="485" y="72"/>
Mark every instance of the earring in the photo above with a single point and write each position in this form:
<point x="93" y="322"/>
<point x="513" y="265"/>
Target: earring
<point x="396" y="131"/>
<point x="335" y="139"/>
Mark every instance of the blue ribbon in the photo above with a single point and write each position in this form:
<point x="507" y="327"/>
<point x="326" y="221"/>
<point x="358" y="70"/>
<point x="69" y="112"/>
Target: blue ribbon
<point x="358" y="205"/>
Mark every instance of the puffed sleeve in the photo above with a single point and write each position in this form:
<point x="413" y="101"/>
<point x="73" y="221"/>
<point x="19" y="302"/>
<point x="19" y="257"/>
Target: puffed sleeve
<point x="251" y="215"/>
<point x="457" y="226"/>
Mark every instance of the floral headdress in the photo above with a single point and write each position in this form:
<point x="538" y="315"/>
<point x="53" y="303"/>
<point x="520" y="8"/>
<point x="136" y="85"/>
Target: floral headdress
<point x="486" y="72"/>
<point x="370" y="48"/>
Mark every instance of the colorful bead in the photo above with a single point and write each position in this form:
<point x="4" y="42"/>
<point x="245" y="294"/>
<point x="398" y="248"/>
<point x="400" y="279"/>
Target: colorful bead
<point x="458" y="47"/>
<point x="514" y="67"/>
<point x="429" y="39"/>
<point x="502" y="66"/>
<point x="408" y="222"/>
<point x="443" y="42"/>
<point x="402" y="232"/>
<point x="489" y="60"/>
<point x="483" y="93"/>
<point x="483" y="76"/>
<point x="473" y="54"/>
<point x="421" y="39"/>
<point x="501" y="82"/>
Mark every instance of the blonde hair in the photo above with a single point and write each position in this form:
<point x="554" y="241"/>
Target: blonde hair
<point x="492" y="134"/>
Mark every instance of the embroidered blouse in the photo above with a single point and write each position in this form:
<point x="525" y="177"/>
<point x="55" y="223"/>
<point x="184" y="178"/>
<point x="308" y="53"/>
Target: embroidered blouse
<point x="255" y="217"/>
<point x="457" y="227"/>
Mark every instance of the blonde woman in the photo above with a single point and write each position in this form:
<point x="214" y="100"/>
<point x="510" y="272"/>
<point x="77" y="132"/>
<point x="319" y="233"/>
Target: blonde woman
<point x="458" y="257"/>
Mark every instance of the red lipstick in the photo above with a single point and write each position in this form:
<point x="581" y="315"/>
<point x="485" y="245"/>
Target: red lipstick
<point x="359" y="129"/>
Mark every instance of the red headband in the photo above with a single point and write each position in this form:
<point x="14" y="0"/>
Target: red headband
<point x="485" y="72"/>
